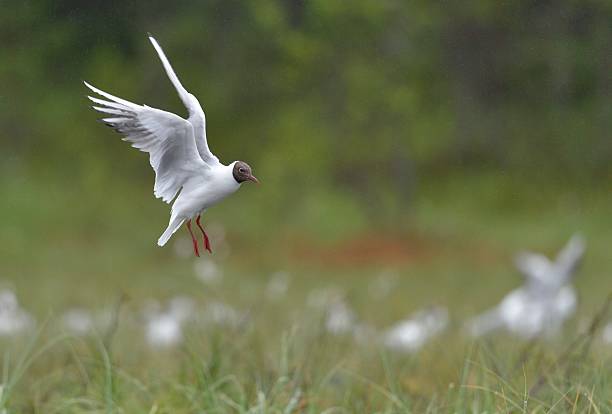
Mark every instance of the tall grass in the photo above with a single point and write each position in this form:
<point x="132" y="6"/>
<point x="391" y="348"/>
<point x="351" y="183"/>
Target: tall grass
<point x="220" y="372"/>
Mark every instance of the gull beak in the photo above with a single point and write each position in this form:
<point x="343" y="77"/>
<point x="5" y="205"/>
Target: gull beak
<point x="253" y="178"/>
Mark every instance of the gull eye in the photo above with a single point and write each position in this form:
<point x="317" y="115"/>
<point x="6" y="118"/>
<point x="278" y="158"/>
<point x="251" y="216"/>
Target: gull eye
<point x="241" y="170"/>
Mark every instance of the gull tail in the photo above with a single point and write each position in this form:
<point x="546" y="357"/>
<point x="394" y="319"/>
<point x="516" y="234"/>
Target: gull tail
<point x="173" y="226"/>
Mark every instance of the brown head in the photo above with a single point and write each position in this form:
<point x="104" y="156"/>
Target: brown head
<point x="242" y="172"/>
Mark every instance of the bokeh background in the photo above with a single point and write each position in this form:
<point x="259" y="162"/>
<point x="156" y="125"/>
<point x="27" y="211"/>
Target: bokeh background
<point x="430" y="140"/>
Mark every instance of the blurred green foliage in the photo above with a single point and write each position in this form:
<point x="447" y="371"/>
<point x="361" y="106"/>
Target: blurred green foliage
<point x="358" y="100"/>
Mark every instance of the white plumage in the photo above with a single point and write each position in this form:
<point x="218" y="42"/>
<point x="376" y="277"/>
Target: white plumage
<point x="178" y="152"/>
<point x="411" y="334"/>
<point x="545" y="301"/>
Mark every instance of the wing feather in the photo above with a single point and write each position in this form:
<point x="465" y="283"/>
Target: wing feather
<point x="168" y="138"/>
<point x="196" y="113"/>
<point x="568" y="259"/>
<point x="534" y="266"/>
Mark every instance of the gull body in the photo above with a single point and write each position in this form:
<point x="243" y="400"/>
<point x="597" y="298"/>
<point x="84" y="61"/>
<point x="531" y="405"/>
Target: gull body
<point x="202" y="191"/>
<point x="544" y="302"/>
<point x="186" y="171"/>
<point x="205" y="190"/>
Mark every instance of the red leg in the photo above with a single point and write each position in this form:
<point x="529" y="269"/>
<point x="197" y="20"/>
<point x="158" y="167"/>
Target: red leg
<point x="193" y="239"/>
<point x="206" y="241"/>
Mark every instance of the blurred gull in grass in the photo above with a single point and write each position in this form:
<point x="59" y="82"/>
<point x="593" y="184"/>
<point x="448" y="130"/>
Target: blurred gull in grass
<point x="411" y="334"/>
<point x="340" y="318"/>
<point x="220" y="313"/>
<point x="383" y="284"/>
<point x="13" y="319"/>
<point x="277" y="285"/>
<point x="207" y="271"/>
<point x="544" y="302"/>
<point x="321" y="298"/>
<point x="78" y="321"/>
<point x="164" y="328"/>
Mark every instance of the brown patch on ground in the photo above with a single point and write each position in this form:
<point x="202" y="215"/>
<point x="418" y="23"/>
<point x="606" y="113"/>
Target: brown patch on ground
<point x="392" y="249"/>
<point x="366" y="249"/>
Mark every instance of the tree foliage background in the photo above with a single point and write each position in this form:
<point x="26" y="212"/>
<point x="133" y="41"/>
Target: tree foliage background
<point x="364" y="102"/>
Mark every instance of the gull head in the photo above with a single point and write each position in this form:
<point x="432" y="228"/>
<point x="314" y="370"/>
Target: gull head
<point x="242" y="172"/>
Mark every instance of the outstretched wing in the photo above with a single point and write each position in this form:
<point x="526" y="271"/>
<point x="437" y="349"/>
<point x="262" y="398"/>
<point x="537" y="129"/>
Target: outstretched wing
<point x="196" y="114"/>
<point x="167" y="138"/>
<point x="534" y="266"/>
<point x="570" y="257"/>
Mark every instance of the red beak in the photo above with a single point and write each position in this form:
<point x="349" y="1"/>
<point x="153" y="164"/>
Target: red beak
<point x="253" y="178"/>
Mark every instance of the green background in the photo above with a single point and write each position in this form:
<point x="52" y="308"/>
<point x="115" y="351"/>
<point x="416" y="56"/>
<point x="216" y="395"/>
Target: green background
<point x="429" y="139"/>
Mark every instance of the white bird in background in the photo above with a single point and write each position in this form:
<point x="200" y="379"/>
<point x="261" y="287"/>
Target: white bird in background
<point x="13" y="319"/>
<point x="164" y="328"/>
<point x="544" y="302"/>
<point x="78" y="321"/>
<point x="340" y="318"/>
<point x="178" y="152"/>
<point x="411" y="334"/>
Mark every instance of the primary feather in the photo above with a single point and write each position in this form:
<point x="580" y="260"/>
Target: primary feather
<point x="196" y="114"/>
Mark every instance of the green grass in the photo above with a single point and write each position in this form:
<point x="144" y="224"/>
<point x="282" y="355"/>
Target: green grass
<point x="301" y="370"/>
<point x="90" y="247"/>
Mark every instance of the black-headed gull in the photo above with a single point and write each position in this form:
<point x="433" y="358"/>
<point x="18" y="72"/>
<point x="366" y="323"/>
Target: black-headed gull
<point x="178" y="152"/>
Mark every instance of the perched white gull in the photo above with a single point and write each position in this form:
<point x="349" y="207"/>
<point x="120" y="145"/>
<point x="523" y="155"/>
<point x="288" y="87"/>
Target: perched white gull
<point x="178" y="152"/>
<point x="544" y="302"/>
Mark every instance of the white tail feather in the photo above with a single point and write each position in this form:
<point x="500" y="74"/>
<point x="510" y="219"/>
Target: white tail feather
<point x="173" y="226"/>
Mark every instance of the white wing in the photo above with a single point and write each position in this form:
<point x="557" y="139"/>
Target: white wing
<point x="167" y="138"/>
<point x="570" y="257"/>
<point x="534" y="266"/>
<point x="196" y="114"/>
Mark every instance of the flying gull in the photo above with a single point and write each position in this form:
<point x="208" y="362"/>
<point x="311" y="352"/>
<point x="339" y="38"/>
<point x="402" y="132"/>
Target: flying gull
<point x="178" y="152"/>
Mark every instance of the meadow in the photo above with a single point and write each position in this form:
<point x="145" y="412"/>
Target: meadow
<point x="257" y="340"/>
